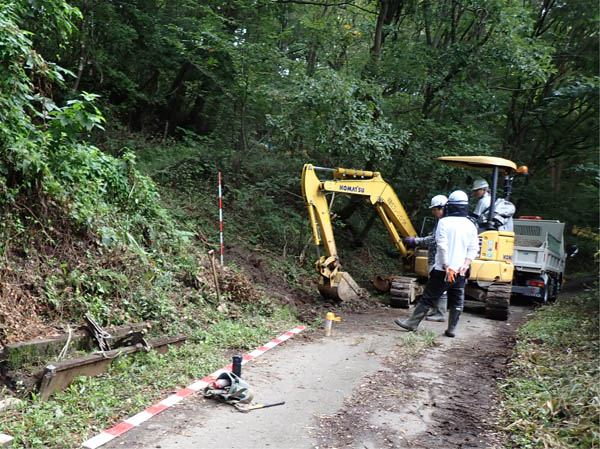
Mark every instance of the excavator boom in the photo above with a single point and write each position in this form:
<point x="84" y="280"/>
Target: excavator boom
<point x="334" y="282"/>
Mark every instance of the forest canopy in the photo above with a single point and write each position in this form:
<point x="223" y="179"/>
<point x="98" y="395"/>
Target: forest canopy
<point x="387" y="85"/>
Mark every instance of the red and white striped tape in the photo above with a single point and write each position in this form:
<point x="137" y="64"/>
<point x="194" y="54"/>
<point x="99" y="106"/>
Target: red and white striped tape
<point x="134" y="421"/>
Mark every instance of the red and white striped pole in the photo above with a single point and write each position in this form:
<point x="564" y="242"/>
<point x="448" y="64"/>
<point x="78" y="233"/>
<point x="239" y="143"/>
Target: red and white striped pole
<point x="220" y="218"/>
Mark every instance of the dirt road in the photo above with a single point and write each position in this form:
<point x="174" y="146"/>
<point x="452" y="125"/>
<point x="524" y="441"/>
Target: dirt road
<point x="359" y="388"/>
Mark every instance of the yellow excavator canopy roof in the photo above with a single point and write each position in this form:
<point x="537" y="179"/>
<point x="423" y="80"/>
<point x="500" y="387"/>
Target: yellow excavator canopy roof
<point x="480" y="162"/>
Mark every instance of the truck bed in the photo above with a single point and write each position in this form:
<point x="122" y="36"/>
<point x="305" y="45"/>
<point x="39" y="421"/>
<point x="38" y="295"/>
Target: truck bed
<point x="536" y="248"/>
<point x="524" y="242"/>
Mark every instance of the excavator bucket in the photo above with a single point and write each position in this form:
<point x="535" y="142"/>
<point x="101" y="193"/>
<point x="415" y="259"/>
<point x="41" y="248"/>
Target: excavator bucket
<point x="382" y="284"/>
<point x="343" y="288"/>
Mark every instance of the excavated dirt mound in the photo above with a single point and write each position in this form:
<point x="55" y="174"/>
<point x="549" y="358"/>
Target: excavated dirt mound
<point x="257" y="267"/>
<point x="25" y="312"/>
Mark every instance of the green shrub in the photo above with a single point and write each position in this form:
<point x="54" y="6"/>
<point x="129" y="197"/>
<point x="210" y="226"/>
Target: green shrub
<point x="551" y="397"/>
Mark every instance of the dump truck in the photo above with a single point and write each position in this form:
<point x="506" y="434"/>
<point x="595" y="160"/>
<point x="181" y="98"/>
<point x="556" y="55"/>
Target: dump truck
<point x="539" y="258"/>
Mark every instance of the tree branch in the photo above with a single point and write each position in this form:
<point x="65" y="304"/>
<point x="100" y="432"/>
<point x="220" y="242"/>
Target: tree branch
<point x="303" y="2"/>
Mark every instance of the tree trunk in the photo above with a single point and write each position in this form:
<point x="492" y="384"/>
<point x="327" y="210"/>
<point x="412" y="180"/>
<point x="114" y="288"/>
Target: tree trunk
<point x="378" y="42"/>
<point x="82" y="48"/>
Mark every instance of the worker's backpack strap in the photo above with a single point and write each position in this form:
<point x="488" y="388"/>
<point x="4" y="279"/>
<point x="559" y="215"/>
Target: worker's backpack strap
<point x="473" y="219"/>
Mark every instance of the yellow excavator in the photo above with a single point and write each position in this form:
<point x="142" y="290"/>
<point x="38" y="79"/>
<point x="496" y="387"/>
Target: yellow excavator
<point x="491" y="273"/>
<point x="334" y="282"/>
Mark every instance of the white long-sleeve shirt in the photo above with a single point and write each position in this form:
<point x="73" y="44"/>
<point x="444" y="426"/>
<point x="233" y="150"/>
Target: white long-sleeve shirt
<point x="482" y="205"/>
<point x="456" y="239"/>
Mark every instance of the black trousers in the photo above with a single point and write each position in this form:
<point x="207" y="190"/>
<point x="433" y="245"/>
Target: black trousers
<point x="436" y="285"/>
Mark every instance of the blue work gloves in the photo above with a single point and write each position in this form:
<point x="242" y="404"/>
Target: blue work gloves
<point x="410" y="242"/>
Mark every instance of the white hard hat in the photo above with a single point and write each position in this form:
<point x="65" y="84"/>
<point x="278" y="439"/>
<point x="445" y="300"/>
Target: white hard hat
<point x="480" y="184"/>
<point x="458" y="197"/>
<point x="438" y="201"/>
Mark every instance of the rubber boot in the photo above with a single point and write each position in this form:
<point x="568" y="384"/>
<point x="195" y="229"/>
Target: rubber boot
<point x="415" y="319"/>
<point x="439" y="313"/>
<point x="452" y="322"/>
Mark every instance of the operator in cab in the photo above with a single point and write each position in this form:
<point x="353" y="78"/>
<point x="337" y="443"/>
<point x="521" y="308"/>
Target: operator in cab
<point x="503" y="209"/>
<point x="481" y="191"/>
<point x="457" y="246"/>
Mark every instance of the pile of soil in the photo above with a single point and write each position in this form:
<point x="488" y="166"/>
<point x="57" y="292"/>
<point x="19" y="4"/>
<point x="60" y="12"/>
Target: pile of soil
<point x="307" y="303"/>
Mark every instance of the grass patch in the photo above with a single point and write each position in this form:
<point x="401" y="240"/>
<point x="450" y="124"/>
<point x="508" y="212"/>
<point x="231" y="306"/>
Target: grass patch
<point x="551" y="399"/>
<point x="415" y="342"/>
<point x="137" y="381"/>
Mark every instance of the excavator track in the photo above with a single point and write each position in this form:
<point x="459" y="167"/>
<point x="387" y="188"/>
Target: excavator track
<point x="403" y="292"/>
<point x="497" y="301"/>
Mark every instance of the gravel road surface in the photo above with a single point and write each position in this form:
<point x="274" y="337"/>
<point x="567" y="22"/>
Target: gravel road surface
<point x="359" y="388"/>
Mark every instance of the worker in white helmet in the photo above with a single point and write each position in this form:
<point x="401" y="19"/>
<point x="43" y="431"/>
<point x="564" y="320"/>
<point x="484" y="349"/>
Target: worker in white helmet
<point x="457" y="246"/>
<point x="481" y="191"/>
<point x="503" y="211"/>
<point x="437" y="207"/>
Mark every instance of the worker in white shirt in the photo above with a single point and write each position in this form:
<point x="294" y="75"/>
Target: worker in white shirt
<point x="457" y="246"/>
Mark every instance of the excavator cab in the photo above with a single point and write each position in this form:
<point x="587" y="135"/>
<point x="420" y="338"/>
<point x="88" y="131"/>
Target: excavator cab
<point x="492" y="272"/>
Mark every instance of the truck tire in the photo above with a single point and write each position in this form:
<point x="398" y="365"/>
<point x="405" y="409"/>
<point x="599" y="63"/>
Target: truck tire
<point x="553" y="287"/>
<point x="546" y="295"/>
<point x="559" y="284"/>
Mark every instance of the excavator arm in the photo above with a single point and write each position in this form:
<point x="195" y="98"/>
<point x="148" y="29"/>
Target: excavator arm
<point x="334" y="282"/>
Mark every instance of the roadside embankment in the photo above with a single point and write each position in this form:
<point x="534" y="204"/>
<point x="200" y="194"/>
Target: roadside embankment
<point x="552" y="395"/>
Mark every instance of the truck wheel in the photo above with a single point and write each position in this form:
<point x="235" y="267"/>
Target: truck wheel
<point x="559" y="285"/>
<point x="553" y="287"/>
<point x="546" y="295"/>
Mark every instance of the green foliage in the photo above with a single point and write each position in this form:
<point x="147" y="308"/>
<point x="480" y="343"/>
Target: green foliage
<point x="43" y="151"/>
<point x="77" y="116"/>
<point x="415" y="342"/>
<point x="261" y="82"/>
<point x="136" y="381"/>
<point x="332" y="120"/>
<point x="244" y="335"/>
<point x="261" y="200"/>
<point x="550" y="398"/>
